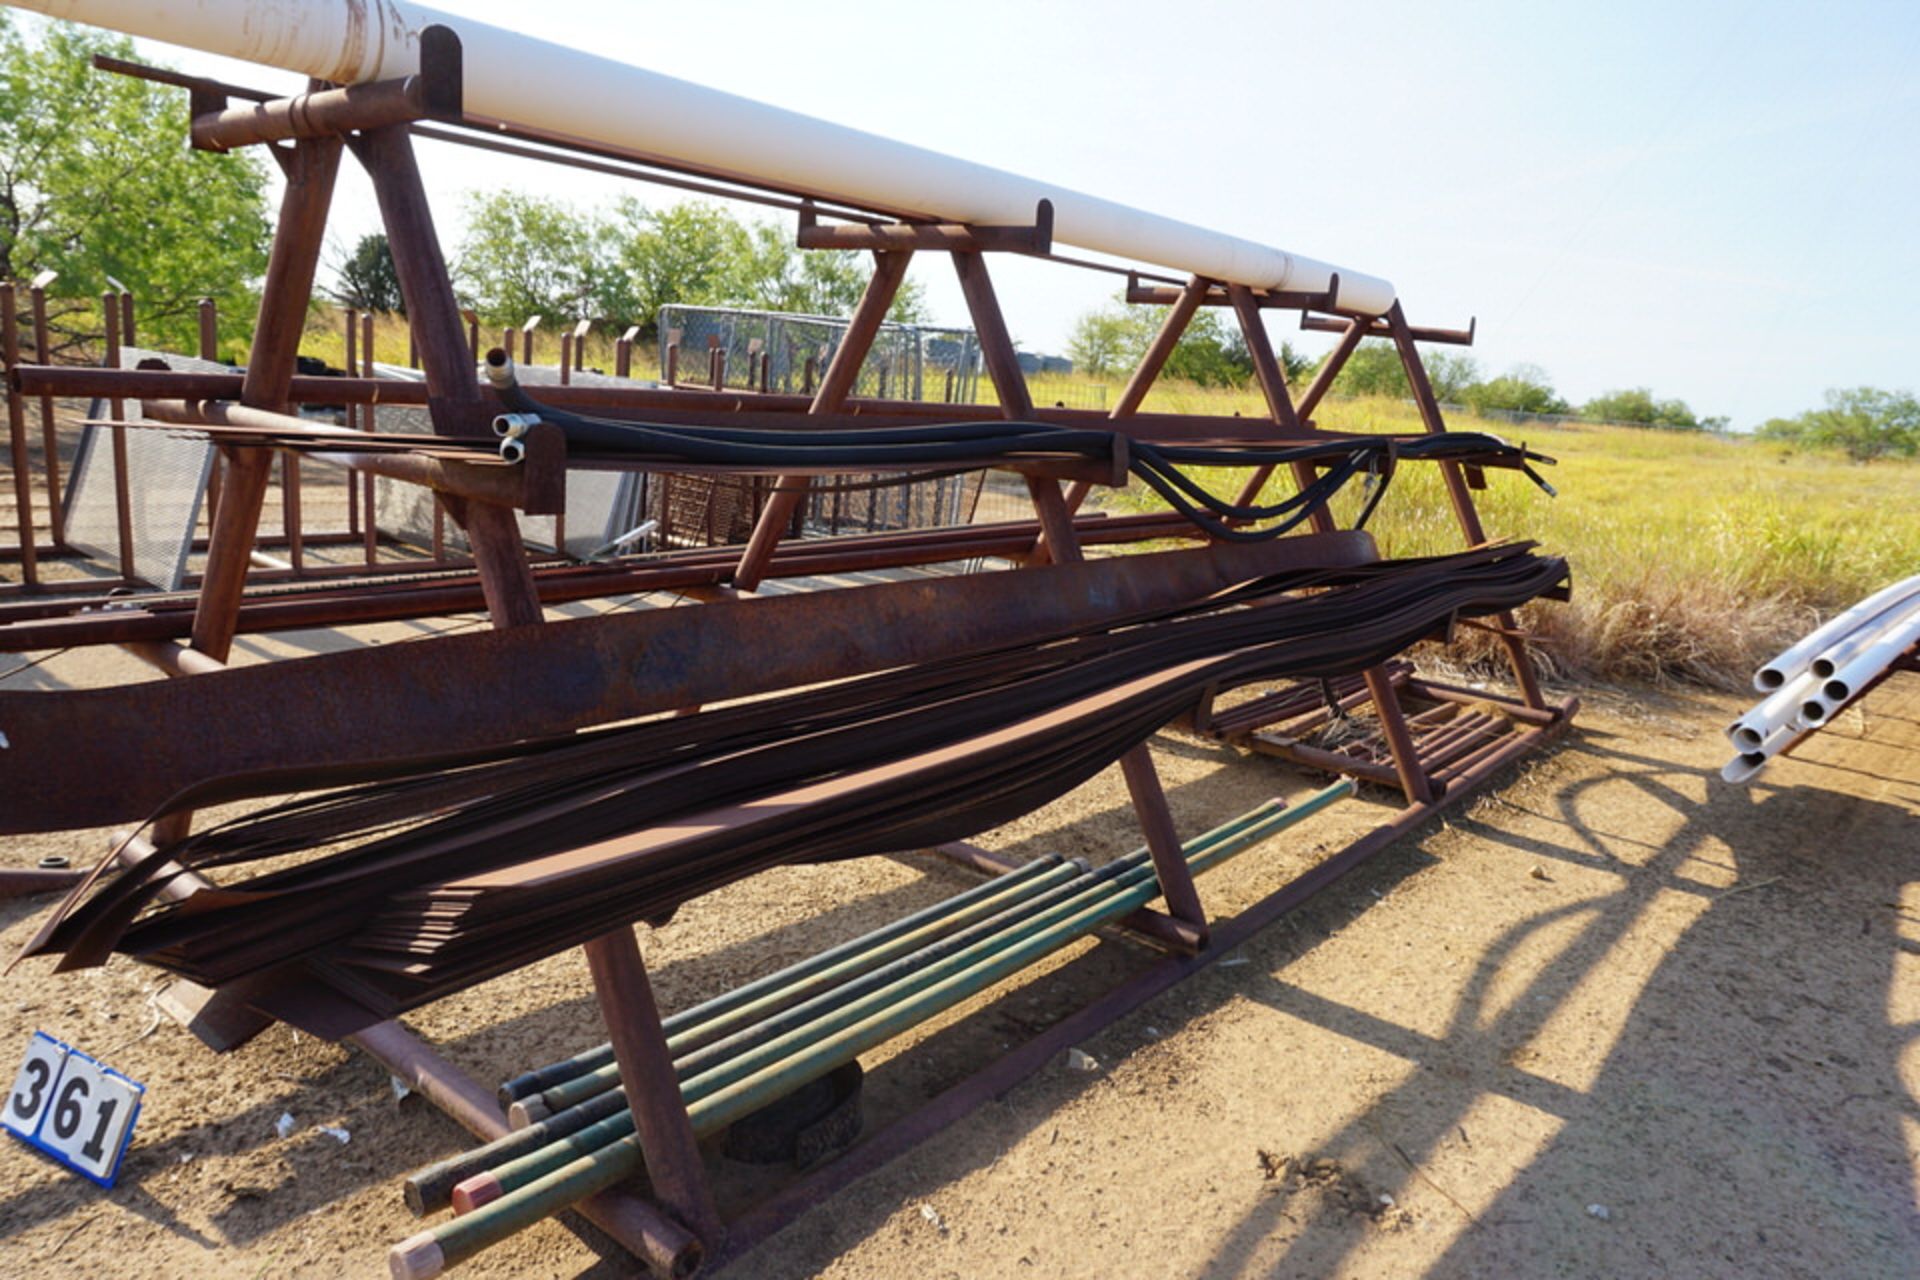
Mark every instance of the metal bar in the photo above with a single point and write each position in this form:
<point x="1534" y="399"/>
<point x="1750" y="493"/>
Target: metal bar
<point x="1393" y="726"/>
<point x="319" y="113"/>
<point x="1273" y="384"/>
<point x="1266" y="366"/>
<point x="17" y="440"/>
<point x="49" y="431"/>
<point x="659" y="1116"/>
<point x="1330" y="368"/>
<point x="955" y="238"/>
<point x="843" y="374"/>
<point x="143" y="742"/>
<point x="1377" y="329"/>
<point x="996" y="344"/>
<point x="122" y="495"/>
<point x="1464" y="510"/>
<point x="1185" y="304"/>
<point x="369" y="492"/>
<point x="210" y="330"/>
<point x="454" y="397"/>
<point x="290" y="516"/>
<point x="311" y="168"/>
<point x="1143" y="782"/>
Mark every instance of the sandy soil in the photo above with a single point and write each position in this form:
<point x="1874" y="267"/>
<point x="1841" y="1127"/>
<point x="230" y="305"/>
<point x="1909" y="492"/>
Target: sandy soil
<point x="1619" y="1019"/>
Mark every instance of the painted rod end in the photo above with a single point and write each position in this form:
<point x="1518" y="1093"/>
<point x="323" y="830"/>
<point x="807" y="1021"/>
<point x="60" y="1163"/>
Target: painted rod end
<point x="481" y="1188"/>
<point x="416" y="1258"/>
<point x="528" y="1111"/>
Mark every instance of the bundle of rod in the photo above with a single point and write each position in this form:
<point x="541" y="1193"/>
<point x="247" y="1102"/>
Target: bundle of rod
<point x="1822" y="672"/>
<point x="538" y="847"/>
<point x="735" y="1054"/>
<point x="882" y="449"/>
<point x="1320" y="700"/>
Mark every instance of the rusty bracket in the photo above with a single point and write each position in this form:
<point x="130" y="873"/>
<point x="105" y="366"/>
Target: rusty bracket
<point x="1380" y="329"/>
<point x="432" y="94"/>
<point x="1219" y="296"/>
<point x="951" y="237"/>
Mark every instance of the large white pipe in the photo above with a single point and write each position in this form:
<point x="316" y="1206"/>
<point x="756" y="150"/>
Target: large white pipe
<point x="533" y="83"/>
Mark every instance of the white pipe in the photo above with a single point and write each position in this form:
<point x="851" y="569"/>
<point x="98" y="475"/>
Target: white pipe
<point x="1892" y="641"/>
<point x="1778" y="708"/>
<point x="1846" y="650"/>
<point x="533" y="83"/>
<point x="1744" y="766"/>
<point x="1802" y="651"/>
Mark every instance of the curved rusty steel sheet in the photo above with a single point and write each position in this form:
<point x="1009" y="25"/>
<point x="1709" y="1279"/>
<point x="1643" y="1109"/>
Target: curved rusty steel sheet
<point x="81" y="758"/>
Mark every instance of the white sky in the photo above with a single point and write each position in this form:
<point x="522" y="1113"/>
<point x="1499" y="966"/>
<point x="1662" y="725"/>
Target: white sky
<point x="1713" y="199"/>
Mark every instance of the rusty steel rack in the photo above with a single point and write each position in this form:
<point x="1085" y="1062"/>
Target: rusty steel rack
<point x="212" y="716"/>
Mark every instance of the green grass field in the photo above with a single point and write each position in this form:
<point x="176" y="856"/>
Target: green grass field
<point x="1695" y="556"/>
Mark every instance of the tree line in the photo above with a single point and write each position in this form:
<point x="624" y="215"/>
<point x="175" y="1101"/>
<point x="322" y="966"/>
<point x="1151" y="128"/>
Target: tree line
<point x="1111" y="340"/>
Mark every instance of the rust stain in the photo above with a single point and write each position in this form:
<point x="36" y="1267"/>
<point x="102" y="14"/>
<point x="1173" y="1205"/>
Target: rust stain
<point x="354" y="45"/>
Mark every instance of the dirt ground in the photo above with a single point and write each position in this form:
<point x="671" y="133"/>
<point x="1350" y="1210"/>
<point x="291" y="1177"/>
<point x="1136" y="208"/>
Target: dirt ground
<point x="1618" y="1019"/>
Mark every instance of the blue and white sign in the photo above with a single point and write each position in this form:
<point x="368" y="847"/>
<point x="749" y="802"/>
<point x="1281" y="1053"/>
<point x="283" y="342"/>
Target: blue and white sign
<point x="73" y="1108"/>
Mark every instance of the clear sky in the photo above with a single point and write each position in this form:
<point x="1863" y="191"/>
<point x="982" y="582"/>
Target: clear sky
<point x="1717" y="200"/>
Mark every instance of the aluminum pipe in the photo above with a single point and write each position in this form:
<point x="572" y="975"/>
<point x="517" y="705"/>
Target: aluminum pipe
<point x="539" y="85"/>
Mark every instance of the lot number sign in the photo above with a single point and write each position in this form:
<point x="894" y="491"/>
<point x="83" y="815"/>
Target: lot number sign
<point x="71" y="1107"/>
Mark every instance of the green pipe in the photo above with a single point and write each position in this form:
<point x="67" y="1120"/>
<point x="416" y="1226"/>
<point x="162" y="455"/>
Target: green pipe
<point x="861" y="973"/>
<point x="572" y="1092"/>
<point x="431" y="1188"/>
<point x="595" y="1170"/>
<point x="823" y="1012"/>
<point x="532" y="1082"/>
<point x="721" y="1096"/>
<point x="593" y="1096"/>
<point x="748" y="1094"/>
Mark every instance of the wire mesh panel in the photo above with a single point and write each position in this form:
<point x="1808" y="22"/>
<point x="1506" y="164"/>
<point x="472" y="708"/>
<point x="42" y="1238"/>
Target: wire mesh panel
<point x="785" y="353"/>
<point x="706" y="510"/>
<point x="166" y="482"/>
<point x="882" y="503"/>
<point x="601" y="505"/>
<point x="778" y="351"/>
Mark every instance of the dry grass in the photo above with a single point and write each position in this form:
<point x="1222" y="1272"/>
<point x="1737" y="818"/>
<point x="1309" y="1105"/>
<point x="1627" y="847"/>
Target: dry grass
<point x="1695" y="557"/>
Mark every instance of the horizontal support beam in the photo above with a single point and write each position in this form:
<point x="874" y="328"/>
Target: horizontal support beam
<point x="536" y="486"/>
<point x="682" y="405"/>
<point x="1217" y="296"/>
<point x="52" y="623"/>
<point x="323" y="112"/>
<point x="1441" y="337"/>
<point x="951" y="237"/>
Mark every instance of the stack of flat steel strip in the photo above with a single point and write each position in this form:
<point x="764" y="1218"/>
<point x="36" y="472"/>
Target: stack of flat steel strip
<point x="523" y="856"/>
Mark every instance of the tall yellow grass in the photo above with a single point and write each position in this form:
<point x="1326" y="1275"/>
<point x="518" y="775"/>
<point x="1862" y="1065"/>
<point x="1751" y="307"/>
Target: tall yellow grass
<point x="1694" y="556"/>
